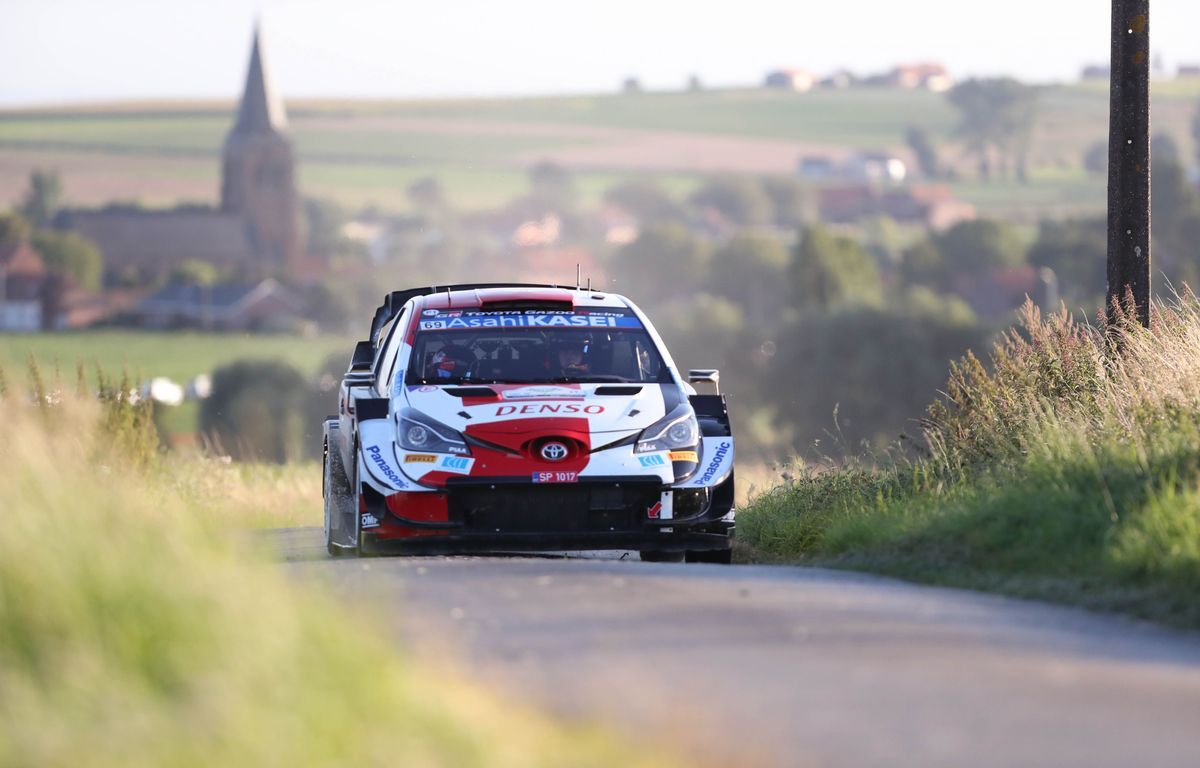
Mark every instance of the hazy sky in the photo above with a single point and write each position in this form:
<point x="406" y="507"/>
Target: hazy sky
<point x="54" y="51"/>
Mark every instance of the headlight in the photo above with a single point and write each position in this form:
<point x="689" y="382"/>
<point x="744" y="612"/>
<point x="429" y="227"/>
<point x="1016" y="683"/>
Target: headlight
<point x="678" y="430"/>
<point x="417" y="432"/>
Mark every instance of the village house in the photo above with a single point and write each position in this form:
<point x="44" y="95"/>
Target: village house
<point x="23" y="288"/>
<point x="928" y="75"/>
<point x="930" y="205"/>
<point x="877" y="167"/>
<point x="262" y="306"/>
<point x="797" y="80"/>
<point x="33" y="298"/>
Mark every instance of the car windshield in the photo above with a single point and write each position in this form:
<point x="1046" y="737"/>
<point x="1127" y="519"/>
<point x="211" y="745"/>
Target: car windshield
<point x="456" y="347"/>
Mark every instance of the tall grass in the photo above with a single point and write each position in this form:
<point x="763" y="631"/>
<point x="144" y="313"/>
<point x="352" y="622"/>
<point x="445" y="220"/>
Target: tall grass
<point x="134" y="631"/>
<point x="1067" y="467"/>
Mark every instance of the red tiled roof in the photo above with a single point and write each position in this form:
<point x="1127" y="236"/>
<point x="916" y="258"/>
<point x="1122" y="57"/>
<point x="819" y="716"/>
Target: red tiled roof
<point x="21" y="259"/>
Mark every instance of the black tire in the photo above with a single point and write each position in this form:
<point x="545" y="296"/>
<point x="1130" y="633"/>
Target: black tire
<point x="656" y="556"/>
<point x="718" y="556"/>
<point x="341" y="519"/>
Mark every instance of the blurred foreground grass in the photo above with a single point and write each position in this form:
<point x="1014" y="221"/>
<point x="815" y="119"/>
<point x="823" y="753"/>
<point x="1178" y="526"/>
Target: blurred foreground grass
<point x="137" y="630"/>
<point x="1067" y="469"/>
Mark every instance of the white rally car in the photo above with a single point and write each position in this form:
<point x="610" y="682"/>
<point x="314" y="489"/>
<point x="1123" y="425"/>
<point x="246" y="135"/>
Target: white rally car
<point x="518" y="418"/>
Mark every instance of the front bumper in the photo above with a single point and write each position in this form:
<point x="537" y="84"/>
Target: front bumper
<point x="483" y="542"/>
<point x="602" y="513"/>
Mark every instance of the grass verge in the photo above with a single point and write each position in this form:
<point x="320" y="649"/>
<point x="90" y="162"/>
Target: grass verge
<point x="134" y="631"/>
<point x="1066" y="469"/>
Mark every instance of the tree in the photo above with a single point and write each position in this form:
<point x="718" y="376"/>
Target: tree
<point x="257" y="411"/>
<point x="1173" y="199"/>
<point x="1095" y="160"/>
<point x="996" y="119"/>
<point x="923" y="149"/>
<point x="1077" y="251"/>
<point x="790" y="202"/>
<point x="1175" y="204"/>
<point x="427" y="196"/>
<point x="666" y="260"/>
<point x="1187" y="269"/>
<point x="701" y="330"/>
<point x="751" y="270"/>
<point x="68" y="253"/>
<point x="977" y="247"/>
<point x="969" y="250"/>
<point x="552" y="187"/>
<point x="740" y="200"/>
<point x="922" y="264"/>
<point x="862" y="374"/>
<point x="1196" y="133"/>
<point x="13" y="229"/>
<point x="328" y="306"/>
<point x="323" y="220"/>
<point x="645" y="201"/>
<point x="41" y="199"/>
<point x="1164" y="148"/>
<point x="828" y="270"/>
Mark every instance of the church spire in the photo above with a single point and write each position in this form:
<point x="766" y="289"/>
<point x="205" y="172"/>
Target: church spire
<point x="261" y="110"/>
<point x="258" y="175"/>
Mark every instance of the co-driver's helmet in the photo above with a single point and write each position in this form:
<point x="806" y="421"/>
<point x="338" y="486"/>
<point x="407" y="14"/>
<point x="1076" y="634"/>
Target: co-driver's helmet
<point x="452" y="361"/>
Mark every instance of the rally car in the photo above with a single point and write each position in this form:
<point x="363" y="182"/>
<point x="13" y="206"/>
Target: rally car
<point x="524" y="418"/>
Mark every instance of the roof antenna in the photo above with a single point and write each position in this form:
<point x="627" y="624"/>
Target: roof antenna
<point x="589" y="282"/>
<point x="577" y="276"/>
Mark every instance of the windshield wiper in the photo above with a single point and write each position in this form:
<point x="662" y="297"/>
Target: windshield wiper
<point x="599" y="378"/>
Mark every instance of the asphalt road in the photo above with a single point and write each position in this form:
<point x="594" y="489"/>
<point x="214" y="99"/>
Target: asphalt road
<point x="792" y="666"/>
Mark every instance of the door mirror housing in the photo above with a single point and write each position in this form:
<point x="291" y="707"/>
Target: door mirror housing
<point x="709" y="375"/>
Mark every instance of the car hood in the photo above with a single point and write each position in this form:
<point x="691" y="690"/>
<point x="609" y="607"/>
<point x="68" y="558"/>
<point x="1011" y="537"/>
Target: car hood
<point x="607" y="408"/>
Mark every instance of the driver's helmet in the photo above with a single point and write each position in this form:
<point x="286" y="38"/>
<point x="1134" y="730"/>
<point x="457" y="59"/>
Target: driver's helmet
<point x="570" y="354"/>
<point x="452" y="361"/>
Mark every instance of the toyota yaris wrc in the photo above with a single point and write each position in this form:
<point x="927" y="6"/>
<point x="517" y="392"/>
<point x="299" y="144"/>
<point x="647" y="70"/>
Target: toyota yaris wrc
<point x="518" y="418"/>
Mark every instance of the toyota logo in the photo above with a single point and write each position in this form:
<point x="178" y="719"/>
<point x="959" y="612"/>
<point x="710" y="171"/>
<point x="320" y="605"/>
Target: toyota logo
<point x="554" y="451"/>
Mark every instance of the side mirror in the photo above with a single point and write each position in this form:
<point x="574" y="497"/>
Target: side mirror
<point x="710" y="375"/>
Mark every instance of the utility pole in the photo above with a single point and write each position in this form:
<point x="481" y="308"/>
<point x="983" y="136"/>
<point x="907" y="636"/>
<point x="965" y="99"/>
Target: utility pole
<point x="1129" y="159"/>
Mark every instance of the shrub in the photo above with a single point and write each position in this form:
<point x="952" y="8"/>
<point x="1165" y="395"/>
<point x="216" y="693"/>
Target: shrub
<point x="258" y="410"/>
<point x="1066" y="467"/>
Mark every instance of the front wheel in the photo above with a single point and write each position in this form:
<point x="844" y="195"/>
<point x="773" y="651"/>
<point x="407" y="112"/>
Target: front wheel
<point x="341" y="530"/>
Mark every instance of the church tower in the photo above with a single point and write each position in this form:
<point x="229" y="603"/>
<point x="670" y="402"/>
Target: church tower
<point x="258" y="179"/>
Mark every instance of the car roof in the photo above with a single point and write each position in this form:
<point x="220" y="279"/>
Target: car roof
<point x="479" y="298"/>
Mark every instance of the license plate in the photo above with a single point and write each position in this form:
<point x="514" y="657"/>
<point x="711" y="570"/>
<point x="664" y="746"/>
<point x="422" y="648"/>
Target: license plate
<point x="555" y="477"/>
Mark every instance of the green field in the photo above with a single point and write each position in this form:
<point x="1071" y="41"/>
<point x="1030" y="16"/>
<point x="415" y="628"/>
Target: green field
<point x="368" y="152"/>
<point x="147" y="354"/>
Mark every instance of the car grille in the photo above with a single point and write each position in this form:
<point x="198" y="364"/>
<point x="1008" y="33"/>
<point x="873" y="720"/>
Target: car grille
<point x="574" y="508"/>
